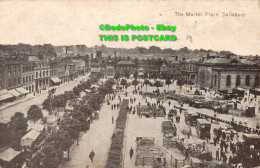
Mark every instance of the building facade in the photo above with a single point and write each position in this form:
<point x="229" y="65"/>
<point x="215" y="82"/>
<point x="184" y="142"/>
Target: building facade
<point x="42" y="73"/>
<point x="28" y="76"/>
<point x="228" y="74"/>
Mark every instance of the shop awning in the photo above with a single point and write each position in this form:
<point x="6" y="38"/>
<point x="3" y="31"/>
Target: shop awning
<point x="55" y="80"/>
<point x="22" y="90"/>
<point x="4" y="94"/>
<point x="9" y="155"/>
<point x="14" y="93"/>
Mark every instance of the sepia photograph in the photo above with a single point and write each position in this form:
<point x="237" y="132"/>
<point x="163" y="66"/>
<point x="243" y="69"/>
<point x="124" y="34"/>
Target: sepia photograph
<point x="130" y="84"/>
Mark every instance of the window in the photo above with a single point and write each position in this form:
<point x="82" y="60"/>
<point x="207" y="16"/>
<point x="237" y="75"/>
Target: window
<point x="18" y="69"/>
<point x="238" y="81"/>
<point x="40" y="74"/>
<point x="247" y="80"/>
<point x="47" y="73"/>
<point x="256" y="81"/>
<point x="14" y="81"/>
<point x="23" y="79"/>
<point x="19" y="80"/>
<point x="29" y="78"/>
<point x="215" y="82"/>
<point x="228" y="81"/>
<point x="36" y="74"/>
<point x="23" y="69"/>
<point x="9" y="71"/>
<point x="9" y="82"/>
<point x="26" y="79"/>
<point x="43" y="74"/>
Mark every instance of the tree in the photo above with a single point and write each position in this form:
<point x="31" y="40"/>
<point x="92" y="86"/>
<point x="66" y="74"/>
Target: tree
<point x="180" y="82"/>
<point x="157" y="84"/>
<point x="72" y="126"/>
<point x="60" y="140"/>
<point x="135" y="82"/>
<point x="135" y="75"/>
<point x="80" y="116"/>
<point x="47" y="104"/>
<point x="123" y="82"/>
<point x="154" y="50"/>
<point x="34" y="113"/>
<point x="51" y="156"/>
<point x="145" y="75"/>
<point x="4" y="135"/>
<point x="127" y="74"/>
<point x="168" y="82"/>
<point x="76" y="91"/>
<point x="69" y="95"/>
<point x="86" y="109"/>
<point x="146" y="82"/>
<point x="18" y="123"/>
<point x="117" y="75"/>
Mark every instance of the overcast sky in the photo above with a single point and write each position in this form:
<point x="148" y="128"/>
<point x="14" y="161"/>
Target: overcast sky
<point x="77" y="22"/>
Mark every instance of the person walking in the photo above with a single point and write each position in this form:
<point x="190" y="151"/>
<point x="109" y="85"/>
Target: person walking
<point x="217" y="154"/>
<point x="131" y="153"/>
<point x="92" y="155"/>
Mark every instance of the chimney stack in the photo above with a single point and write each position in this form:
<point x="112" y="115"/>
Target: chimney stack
<point x="208" y="56"/>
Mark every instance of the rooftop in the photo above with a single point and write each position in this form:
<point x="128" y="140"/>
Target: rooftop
<point x="125" y="63"/>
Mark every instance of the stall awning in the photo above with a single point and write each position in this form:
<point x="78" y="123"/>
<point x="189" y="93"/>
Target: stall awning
<point x="22" y="90"/>
<point x="140" y="73"/>
<point x="55" y="80"/>
<point x="87" y="90"/>
<point x="9" y="155"/>
<point x="4" y="94"/>
<point x="14" y="92"/>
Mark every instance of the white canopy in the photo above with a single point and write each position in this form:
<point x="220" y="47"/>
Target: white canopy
<point x="9" y="155"/>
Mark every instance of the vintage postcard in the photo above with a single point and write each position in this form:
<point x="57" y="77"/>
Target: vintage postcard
<point x="130" y="84"/>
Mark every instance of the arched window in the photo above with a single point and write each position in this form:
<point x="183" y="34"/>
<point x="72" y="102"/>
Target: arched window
<point x="215" y="82"/>
<point x="238" y="81"/>
<point x="228" y="81"/>
<point x="247" y="80"/>
<point x="256" y="81"/>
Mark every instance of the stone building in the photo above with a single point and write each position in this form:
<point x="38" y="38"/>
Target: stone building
<point x="126" y="67"/>
<point x="228" y="73"/>
<point x="42" y="73"/>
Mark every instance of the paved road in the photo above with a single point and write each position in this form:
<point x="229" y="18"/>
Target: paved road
<point x="98" y="138"/>
<point x="23" y="107"/>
